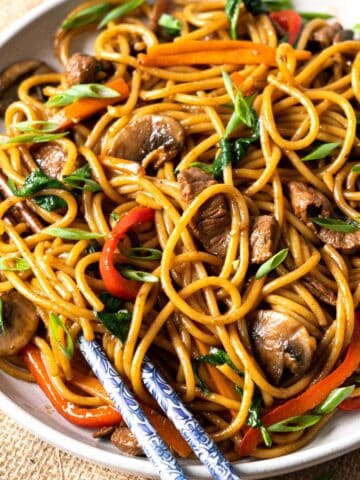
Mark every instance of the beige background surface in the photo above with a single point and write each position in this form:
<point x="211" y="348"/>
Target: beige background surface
<point x="24" y="457"/>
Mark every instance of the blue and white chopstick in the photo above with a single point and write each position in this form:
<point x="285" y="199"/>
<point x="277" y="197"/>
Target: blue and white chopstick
<point x="188" y="426"/>
<point x="153" y="446"/>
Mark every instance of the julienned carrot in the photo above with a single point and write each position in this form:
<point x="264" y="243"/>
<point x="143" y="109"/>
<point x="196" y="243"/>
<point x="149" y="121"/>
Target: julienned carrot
<point x="163" y="426"/>
<point x="218" y="57"/>
<point x="231" y="57"/>
<point x="86" y="107"/>
<point x="187" y="46"/>
<point x="192" y="46"/>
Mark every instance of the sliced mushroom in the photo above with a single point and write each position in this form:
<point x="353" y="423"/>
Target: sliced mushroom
<point x="20" y="323"/>
<point x="13" y="75"/>
<point x="281" y="343"/>
<point x="149" y="139"/>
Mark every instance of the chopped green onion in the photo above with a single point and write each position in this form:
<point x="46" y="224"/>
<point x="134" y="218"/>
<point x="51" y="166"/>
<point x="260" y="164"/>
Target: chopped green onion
<point x="55" y="323"/>
<point x="204" y="166"/>
<point x="171" y="25"/>
<point x="120" y="11"/>
<point x="266" y="436"/>
<point x="86" y="16"/>
<point x="81" y="180"/>
<point x="138" y="275"/>
<point x="115" y="216"/>
<point x="85" y="90"/>
<point x="71" y="233"/>
<point x="13" y="264"/>
<point x="322" y="151"/>
<point x="34" y="138"/>
<point x="336" y="397"/>
<point x="356" y="168"/>
<point x="37" y="126"/>
<point x="232" y="10"/>
<point x="295" y="424"/>
<point x="356" y="30"/>
<point x="335" y="224"/>
<point x="142" y="253"/>
<point x="272" y="263"/>
<point x="315" y="15"/>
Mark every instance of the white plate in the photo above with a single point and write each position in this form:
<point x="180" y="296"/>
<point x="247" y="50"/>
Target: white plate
<point x="33" y="36"/>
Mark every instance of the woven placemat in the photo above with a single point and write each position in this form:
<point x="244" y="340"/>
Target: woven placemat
<point x="25" y="457"/>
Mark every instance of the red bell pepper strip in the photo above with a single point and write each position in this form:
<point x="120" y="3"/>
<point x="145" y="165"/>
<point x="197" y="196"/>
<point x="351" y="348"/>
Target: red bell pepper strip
<point x="290" y="21"/>
<point x="350" y="404"/>
<point x="115" y="283"/>
<point x="96" y="417"/>
<point x="312" y="397"/>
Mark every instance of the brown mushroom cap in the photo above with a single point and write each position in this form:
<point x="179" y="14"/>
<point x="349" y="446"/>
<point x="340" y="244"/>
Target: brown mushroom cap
<point x="151" y="138"/>
<point x="281" y="343"/>
<point x="20" y="322"/>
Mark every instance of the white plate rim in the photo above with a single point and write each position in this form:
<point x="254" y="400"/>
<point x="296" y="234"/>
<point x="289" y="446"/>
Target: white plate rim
<point x="250" y="470"/>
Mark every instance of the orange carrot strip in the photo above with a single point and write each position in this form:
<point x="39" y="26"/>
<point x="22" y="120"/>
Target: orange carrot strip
<point x="86" y="107"/>
<point x="167" y="431"/>
<point x="222" y="384"/>
<point x="187" y="46"/>
<point x="230" y="57"/>
<point x="238" y="80"/>
<point x="192" y="46"/>
<point x="163" y="425"/>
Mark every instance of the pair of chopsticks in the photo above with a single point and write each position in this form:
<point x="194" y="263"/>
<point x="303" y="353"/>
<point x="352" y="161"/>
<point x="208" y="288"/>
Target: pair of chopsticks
<point x="154" y="447"/>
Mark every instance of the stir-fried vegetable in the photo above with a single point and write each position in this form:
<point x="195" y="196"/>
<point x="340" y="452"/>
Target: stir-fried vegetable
<point x="290" y="21"/>
<point x="312" y="397"/>
<point x="115" y="283"/>
<point x="81" y="109"/>
<point x="95" y="417"/>
<point x="272" y="263"/>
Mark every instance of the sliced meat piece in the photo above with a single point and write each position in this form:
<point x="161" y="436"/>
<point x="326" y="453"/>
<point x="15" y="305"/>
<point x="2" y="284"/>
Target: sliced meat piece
<point x="262" y="238"/>
<point x="326" y="36"/>
<point x="212" y="222"/>
<point x="149" y="139"/>
<point x="104" y="432"/>
<point x="346" y="242"/>
<point x="308" y="202"/>
<point x="51" y="159"/>
<point x="281" y="343"/>
<point x="320" y="291"/>
<point x="81" y="68"/>
<point x="20" y="321"/>
<point x="125" y="441"/>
